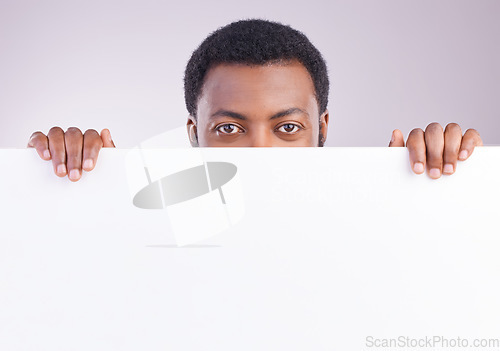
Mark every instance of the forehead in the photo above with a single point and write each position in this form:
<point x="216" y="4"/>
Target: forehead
<point x="257" y="87"/>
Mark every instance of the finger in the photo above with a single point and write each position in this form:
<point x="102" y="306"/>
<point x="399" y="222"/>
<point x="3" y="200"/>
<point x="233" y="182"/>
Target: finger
<point x="397" y="139"/>
<point x="106" y="138"/>
<point x="452" y="141"/>
<point x="416" y="148"/>
<point x="39" y="141"/>
<point x="92" y="144"/>
<point x="57" y="150"/>
<point x="74" y="145"/>
<point x="470" y="140"/>
<point x="434" y="142"/>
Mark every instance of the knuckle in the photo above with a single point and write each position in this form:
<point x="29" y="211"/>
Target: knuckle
<point x="35" y="138"/>
<point x="474" y="132"/>
<point x="91" y="132"/>
<point x="36" y="135"/>
<point x="472" y="136"/>
<point x="416" y="132"/>
<point x="434" y="127"/>
<point x="93" y="144"/>
<point x="415" y="141"/>
<point x="453" y="127"/>
<point x="98" y="144"/>
<point x="55" y="130"/>
<point x="73" y="131"/>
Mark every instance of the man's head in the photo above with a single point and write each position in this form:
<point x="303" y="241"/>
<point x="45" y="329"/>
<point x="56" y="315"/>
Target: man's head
<point x="256" y="83"/>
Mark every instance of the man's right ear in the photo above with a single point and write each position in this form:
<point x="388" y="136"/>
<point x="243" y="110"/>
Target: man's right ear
<point x="192" y="131"/>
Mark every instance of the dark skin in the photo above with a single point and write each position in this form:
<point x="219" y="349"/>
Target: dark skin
<point x="260" y="106"/>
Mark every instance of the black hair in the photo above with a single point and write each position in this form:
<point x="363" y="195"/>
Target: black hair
<point x="254" y="42"/>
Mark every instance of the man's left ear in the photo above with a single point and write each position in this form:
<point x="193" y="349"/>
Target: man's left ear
<point x="323" y="127"/>
<point x="192" y="131"/>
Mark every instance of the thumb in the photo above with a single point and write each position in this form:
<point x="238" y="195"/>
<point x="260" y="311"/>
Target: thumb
<point x="397" y="139"/>
<point x="106" y="138"/>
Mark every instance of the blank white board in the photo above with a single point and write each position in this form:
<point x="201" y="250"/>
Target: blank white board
<point x="334" y="246"/>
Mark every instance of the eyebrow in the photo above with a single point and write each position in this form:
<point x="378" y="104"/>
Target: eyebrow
<point x="287" y="112"/>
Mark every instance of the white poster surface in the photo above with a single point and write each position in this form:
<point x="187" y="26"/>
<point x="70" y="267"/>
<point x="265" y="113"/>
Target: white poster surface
<point x="249" y="249"/>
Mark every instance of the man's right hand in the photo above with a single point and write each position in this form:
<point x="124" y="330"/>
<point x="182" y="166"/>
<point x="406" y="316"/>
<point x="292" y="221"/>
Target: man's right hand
<point x="71" y="151"/>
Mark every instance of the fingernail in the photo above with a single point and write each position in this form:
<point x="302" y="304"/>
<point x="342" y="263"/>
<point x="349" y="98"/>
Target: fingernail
<point x="463" y="154"/>
<point x="109" y="136"/>
<point x="61" y="169"/>
<point x="88" y="164"/>
<point x="46" y="154"/>
<point x="418" y="167"/>
<point x="74" y="174"/>
<point x="393" y="138"/>
<point x="435" y="173"/>
<point x="448" y="168"/>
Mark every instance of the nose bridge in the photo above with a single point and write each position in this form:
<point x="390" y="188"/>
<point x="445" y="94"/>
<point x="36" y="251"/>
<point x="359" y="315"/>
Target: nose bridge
<point x="261" y="137"/>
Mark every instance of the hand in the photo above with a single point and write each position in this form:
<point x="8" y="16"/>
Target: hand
<point x="72" y="151"/>
<point x="437" y="149"/>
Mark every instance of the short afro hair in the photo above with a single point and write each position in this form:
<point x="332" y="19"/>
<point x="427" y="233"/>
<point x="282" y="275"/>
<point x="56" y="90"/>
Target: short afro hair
<point x="254" y="42"/>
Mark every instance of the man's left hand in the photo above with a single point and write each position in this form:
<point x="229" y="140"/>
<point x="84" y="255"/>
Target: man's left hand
<point x="437" y="150"/>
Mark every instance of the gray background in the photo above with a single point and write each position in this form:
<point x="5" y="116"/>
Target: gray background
<point x="119" y="64"/>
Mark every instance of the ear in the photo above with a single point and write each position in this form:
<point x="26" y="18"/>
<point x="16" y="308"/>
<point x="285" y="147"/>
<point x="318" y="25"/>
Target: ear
<point x="323" y="127"/>
<point x="192" y="131"/>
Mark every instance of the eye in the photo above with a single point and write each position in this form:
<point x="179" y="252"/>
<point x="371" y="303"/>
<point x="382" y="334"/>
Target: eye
<point x="228" y="128"/>
<point x="289" y="128"/>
